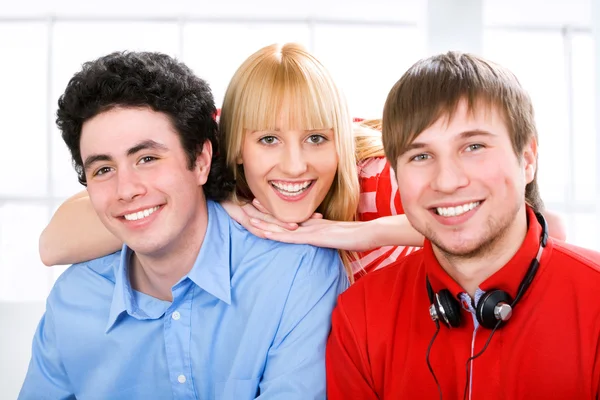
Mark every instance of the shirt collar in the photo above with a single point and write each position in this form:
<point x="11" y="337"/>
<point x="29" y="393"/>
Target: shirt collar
<point x="506" y="278"/>
<point x="123" y="298"/>
<point x="211" y="270"/>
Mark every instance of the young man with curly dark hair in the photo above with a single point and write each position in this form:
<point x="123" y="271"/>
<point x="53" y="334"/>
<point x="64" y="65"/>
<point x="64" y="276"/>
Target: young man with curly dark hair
<point x="193" y="306"/>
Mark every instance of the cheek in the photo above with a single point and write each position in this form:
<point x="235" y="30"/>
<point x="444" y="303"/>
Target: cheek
<point x="325" y="163"/>
<point x="329" y="169"/>
<point x="503" y="177"/>
<point x="100" y="196"/>
<point x="412" y="182"/>
<point x="257" y="168"/>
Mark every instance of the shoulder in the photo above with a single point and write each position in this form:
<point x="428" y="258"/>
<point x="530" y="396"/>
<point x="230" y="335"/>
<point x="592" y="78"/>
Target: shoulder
<point x="577" y="259"/>
<point x="372" y="167"/>
<point x="379" y="195"/>
<point x="80" y="281"/>
<point x="303" y="260"/>
<point x="268" y="261"/>
<point x="376" y="288"/>
<point x="250" y="251"/>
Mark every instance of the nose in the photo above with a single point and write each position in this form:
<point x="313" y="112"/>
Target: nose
<point x="450" y="176"/>
<point x="129" y="185"/>
<point x="294" y="161"/>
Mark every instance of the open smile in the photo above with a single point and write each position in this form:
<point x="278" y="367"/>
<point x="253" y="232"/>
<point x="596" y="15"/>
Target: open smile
<point x="456" y="211"/>
<point x="289" y="189"/>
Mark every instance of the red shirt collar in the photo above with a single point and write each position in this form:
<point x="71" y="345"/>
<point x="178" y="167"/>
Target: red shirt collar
<point x="506" y="278"/>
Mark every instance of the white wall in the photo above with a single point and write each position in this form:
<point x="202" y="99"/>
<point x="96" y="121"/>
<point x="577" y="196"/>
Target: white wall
<point x="19" y="321"/>
<point x="384" y="37"/>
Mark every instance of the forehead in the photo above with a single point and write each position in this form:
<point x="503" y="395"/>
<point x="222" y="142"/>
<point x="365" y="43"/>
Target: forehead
<point x="451" y="124"/>
<point x="118" y="129"/>
<point x="291" y="111"/>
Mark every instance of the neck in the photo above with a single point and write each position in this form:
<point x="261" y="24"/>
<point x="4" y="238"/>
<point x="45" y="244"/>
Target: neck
<point x="469" y="271"/>
<point x="156" y="274"/>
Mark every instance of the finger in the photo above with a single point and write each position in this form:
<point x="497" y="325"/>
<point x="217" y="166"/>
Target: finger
<point x="267" y="226"/>
<point x="253" y="212"/>
<point x="272" y="220"/>
<point x="259" y="206"/>
<point x="315" y="222"/>
<point x="257" y="232"/>
<point x="287" y="237"/>
<point x="316" y="216"/>
<point x="235" y="211"/>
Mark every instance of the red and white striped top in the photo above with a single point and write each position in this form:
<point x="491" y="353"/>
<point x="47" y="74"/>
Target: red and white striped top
<point x="379" y="197"/>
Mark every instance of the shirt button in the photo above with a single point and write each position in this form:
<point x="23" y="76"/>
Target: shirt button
<point x="176" y="317"/>
<point x="181" y="378"/>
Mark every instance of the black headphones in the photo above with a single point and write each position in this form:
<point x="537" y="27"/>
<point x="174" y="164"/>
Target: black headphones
<point x="496" y="306"/>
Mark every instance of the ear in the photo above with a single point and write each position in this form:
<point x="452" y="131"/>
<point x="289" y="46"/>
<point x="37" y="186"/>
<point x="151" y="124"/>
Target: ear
<point x="239" y="160"/>
<point x="203" y="160"/>
<point x="530" y="157"/>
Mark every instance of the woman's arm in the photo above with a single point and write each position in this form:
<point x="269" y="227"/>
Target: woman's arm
<point x="76" y="234"/>
<point x="352" y="236"/>
<point x="556" y="226"/>
<point x="392" y="230"/>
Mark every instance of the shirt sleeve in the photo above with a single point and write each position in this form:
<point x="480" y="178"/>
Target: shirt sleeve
<point x="348" y="372"/>
<point x="295" y="366"/>
<point x="46" y="377"/>
<point x="379" y="197"/>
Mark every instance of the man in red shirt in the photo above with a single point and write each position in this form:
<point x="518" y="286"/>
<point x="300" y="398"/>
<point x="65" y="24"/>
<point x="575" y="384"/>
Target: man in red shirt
<point x="491" y="308"/>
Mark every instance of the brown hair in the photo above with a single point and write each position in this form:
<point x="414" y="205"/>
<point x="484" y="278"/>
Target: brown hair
<point x="433" y="87"/>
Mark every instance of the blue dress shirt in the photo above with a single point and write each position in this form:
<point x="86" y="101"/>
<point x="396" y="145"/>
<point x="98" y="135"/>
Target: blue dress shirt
<point x="250" y="320"/>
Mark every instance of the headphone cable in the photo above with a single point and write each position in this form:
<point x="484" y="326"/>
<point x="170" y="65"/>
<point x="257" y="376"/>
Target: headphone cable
<point x="468" y="370"/>
<point x="437" y="324"/>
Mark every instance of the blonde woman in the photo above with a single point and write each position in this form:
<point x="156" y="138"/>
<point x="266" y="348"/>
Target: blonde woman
<point x="287" y="134"/>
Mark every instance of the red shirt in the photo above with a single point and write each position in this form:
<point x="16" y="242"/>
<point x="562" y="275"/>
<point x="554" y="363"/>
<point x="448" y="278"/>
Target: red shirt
<point x="379" y="197"/>
<point x="549" y="349"/>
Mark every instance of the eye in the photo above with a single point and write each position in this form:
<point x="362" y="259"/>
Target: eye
<point x="146" y="159"/>
<point x="317" y="139"/>
<point x="102" y="171"/>
<point x="268" y="140"/>
<point x="474" y="147"/>
<point x="420" y="157"/>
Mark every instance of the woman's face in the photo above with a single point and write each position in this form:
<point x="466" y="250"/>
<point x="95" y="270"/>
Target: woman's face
<point x="290" y="171"/>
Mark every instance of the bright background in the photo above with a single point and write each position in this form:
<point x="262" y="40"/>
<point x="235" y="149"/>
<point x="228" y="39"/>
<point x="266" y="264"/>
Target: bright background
<point x="549" y="44"/>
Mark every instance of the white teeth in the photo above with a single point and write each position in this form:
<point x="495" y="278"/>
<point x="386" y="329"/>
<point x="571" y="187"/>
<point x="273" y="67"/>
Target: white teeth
<point x="140" y="214"/>
<point x="291" y="189"/>
<point x="456" y="211"/>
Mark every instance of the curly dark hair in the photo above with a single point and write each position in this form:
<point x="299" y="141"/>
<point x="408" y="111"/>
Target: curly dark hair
<point x="145" y="79"/>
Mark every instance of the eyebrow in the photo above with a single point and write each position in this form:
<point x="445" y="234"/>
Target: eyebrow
<point x="276" y="130"/>
<point x="143" y="145"/>
<point x="476" y="132"/>
<point x="463" y="135"/>
<point x="146" y="145"/>
<point x="94" y="158"/>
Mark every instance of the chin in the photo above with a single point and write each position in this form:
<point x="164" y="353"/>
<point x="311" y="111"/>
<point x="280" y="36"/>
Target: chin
<point x="147" y="249"/>
<point x="464" y="248"/>
<point x="292" y="217"/>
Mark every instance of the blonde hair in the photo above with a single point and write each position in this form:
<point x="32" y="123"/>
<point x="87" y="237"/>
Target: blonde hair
<point x="367" y="139"/>
<point x="281" y="78"/>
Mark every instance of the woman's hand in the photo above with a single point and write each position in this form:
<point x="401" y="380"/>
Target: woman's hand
<point x="254" y="211"/>
<point x="352" y="236"/>
<point x="392" y="230"/>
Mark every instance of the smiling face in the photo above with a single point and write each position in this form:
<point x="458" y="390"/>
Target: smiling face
<point x="290" y="171"/>
<point x="139" y="180"/>
<point x="462" y="185"/>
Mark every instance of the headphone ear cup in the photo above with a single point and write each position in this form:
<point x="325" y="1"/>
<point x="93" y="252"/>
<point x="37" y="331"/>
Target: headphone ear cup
<point x="451" y="308"/>
<point x="486" y="307"/>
